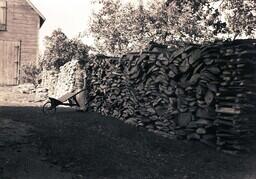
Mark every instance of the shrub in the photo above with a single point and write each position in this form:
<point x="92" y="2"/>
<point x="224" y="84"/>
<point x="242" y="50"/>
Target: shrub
<point x="60" y="50"/>
<point x="31" y="74"/>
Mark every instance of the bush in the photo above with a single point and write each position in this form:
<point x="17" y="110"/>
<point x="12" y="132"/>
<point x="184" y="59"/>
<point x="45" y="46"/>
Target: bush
<point x="60" y="50"/>
<point x="31" y="74"/>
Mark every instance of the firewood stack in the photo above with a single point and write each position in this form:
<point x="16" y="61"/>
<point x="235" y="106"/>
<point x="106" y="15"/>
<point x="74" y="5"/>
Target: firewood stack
<point x="175" y="91"/>
<point x="65" y="80"/>
<point x="236" y="98"/>
<point x="196" y="99"/>
<point x="108" y="93"/>
<point x="204" y="93"/>
<point x="148" y="82"/>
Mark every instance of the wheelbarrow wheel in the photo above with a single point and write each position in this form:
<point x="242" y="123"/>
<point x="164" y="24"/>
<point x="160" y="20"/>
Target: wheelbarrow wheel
<point x="48" y="109"/>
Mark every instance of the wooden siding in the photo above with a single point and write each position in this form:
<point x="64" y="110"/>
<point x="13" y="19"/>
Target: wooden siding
<point x="23" y="25"/>
<point x="9" y="62"/>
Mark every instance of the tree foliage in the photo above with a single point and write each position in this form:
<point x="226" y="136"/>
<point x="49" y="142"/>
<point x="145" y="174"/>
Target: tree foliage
<point x="220" y="18"/>
<point x="241" y="17"/>
<point x="115" y="26"/>
<point x="59" y="50"/>
<point x="119" y="28"/>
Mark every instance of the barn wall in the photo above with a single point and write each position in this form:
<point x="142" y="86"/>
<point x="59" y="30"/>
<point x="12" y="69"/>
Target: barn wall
<point x="22" y="25"/>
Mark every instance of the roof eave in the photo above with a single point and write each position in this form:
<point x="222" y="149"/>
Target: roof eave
<point x="42" y="18"/>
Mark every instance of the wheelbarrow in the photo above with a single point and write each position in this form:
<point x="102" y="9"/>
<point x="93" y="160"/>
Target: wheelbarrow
<point x="68" y="99"/>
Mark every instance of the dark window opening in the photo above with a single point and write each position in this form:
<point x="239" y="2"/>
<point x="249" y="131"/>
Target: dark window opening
<point x="3" y="15"/>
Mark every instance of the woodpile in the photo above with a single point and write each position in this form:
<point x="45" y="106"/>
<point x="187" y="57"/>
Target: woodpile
<point x="203" y="93"/>
<point x="26" y="88"/>
<point x="66" y="79"/>
<point x="108" y="94"/>
<point x="175" y="91"/>
<point x="236" y="97"/>
<point x="57" y="83"/>
<point x="41" y="94"/>
<point x="49" y="81"/>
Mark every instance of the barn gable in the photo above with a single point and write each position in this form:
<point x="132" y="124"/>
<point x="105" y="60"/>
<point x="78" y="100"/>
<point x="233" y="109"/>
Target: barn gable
<point x="42" y="18"/>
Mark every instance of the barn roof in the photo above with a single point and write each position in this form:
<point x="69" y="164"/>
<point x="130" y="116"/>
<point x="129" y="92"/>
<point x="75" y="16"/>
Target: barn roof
<point x="42" y="18"/>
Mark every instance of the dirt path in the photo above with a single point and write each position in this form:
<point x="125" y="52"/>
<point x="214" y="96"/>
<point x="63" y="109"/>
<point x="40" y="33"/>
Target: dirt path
<point x="86" y="145"/>
<point x="19" y="156"/>
<point x="10" y="96"/>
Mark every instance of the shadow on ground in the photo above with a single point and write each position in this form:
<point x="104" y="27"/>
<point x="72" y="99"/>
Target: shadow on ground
<point x="87" y="145"/>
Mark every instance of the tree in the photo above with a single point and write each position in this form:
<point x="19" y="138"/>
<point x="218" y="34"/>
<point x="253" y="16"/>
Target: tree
<point x="59" y="50"/>
<point x="119" y="28"/>
<point x="104" y="26"/>
<point x="241" y="17"/>
<point x="220" y="18"/>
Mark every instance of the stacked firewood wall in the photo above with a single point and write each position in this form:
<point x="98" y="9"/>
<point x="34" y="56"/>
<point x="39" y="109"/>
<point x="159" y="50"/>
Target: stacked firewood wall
<point x="236" y="99"/>
<point x="108" y="94"/>
<point x="180" y="93"/>
<point x="175" y="91"/>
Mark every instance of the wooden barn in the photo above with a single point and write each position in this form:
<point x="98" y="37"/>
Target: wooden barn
<point x="20" y="22"/>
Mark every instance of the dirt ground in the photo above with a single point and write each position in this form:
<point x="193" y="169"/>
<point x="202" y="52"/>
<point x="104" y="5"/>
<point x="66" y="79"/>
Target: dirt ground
<point x="72" y="145"/>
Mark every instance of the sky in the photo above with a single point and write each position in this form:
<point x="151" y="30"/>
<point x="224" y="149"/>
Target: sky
<point x="71" y="16"/>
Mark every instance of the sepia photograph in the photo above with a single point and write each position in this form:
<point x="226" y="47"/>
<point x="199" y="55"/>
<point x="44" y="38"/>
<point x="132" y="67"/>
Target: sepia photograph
<point x="128" y="89"/>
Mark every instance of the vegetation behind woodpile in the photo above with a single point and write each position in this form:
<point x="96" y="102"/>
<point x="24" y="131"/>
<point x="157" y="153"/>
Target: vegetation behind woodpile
<point x="60" y="50"/>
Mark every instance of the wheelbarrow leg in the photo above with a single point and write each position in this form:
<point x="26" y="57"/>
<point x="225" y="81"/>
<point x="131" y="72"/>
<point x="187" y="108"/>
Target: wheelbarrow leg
<point x="80" y="98"/>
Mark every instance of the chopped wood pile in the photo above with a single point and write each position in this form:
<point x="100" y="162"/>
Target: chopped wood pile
<point x="175" y="91"/>
<point x="66" y="79"/>
<point x="107" y="89"/>
<point x="236" y="97"/>
<point x="203" y="93"/>
<point x="49" y="81"/>
<point x="57" y="83"/>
